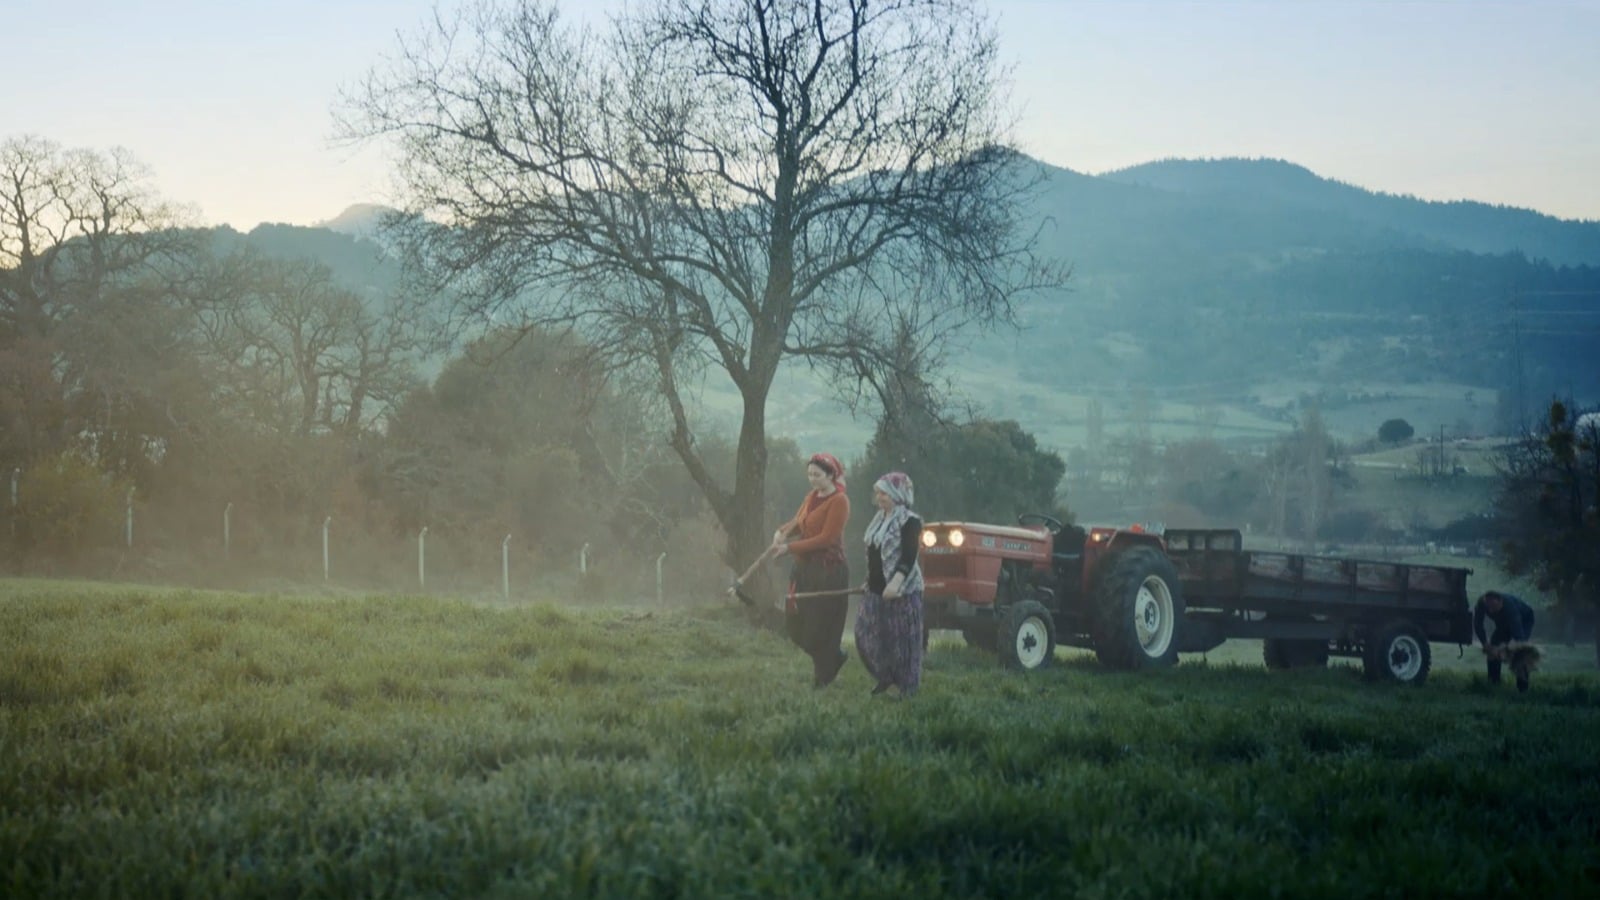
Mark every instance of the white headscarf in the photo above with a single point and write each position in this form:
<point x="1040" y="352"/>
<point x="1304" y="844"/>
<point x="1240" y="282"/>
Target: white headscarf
<point x="899" y="488"/>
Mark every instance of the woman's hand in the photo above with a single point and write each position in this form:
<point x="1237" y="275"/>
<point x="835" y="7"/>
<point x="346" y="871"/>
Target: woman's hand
<point x="891" y="591"/>
<point x="777" y="536"/>
<point x="779" y="548"/>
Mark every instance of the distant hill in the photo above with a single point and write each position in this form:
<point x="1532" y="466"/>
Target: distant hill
<point x="1212" y="281"/>
<point x="1461" y="225"/>
<point x="360" y="220"/>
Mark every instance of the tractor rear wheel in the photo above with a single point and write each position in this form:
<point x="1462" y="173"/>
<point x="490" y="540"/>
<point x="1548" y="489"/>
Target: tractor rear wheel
<point x="1138" y="610"/>
<point x="1027" y="636"/>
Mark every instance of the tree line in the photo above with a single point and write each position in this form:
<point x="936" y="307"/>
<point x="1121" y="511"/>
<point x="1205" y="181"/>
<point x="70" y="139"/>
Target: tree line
<point x="202" y="377"/>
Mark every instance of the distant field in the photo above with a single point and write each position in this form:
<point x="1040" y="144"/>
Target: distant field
<point x="1009" y="386"/>
<point x="180" y="743"/>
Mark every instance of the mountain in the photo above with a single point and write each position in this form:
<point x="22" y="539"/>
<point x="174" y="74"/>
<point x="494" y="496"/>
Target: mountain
<point x="1223" y="292"/>
<point x="1461" y="225"/>
<point x="362" y="220"/>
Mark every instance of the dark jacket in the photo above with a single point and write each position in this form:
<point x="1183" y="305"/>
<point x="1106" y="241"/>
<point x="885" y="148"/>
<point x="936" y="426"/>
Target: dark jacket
<point x="1514" y="621"/>
<point x="910" y="536"/>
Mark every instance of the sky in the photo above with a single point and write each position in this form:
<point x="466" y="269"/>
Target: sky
<point x="230" y="103"/>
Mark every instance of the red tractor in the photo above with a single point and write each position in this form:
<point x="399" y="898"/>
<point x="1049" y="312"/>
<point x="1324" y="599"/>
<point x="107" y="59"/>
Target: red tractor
<point x="1138" y="598"/>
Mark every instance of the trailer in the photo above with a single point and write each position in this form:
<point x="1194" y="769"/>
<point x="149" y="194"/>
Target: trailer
<point x="1139" y="598"/>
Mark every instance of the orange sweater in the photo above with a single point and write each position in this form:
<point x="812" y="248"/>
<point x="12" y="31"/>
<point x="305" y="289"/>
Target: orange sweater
<point x="820" y="522"/>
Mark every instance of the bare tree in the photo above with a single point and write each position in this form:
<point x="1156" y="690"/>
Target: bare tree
<point x="715" y="186"/>
<point x="298" y="353"/>
<point x="77" y="228"/>
<point x="1548" y="506"/>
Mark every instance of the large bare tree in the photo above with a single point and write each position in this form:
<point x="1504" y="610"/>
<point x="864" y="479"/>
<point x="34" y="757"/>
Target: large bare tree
<point x="712" y="186"/>
<point x="77" y="228"/>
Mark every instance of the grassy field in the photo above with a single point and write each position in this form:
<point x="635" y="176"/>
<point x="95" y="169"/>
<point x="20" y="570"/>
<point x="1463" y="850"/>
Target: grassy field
<point x="170" y="743"/>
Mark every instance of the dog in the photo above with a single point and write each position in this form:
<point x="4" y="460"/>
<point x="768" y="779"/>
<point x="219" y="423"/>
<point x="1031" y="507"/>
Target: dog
<point x="1522" y="656"/>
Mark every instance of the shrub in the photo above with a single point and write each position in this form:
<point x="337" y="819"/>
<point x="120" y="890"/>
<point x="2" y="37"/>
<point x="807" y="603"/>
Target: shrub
<point x="67" y="506"/>
<point x="1395" y="430"/>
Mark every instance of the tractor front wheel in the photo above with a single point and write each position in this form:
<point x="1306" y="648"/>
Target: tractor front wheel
<point x="1139" y="610"/>
<point x="1027" y="636"/>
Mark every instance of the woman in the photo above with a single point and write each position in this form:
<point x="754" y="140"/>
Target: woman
<point x="889" y="623"/>
<point x="815" y="538"/>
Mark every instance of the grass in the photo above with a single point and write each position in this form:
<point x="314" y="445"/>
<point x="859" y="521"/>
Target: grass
<point x="171" y="743"/>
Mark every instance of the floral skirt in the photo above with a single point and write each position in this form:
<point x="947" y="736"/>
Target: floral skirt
<point x="889" y="639"/>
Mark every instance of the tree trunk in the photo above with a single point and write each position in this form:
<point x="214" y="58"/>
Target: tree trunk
<point x="748" y="534"/>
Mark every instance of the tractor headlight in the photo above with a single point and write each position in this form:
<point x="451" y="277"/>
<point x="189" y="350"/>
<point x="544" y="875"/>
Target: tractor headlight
<point x="929" y="538"/>
<point x="956" y="537"/>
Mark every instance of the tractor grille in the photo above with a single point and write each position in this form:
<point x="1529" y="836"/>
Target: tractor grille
<point x="944" y="566"/>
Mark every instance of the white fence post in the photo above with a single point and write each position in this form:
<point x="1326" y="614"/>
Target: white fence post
<point x="16" y="473"/>
<point x="422" y="556"/>
<point x="325" y="523"/>
<point x="227" y="531"/>
<point x="660" y="597"/>
<point x="130" y="517"/>
<point x="505" y="567"/>
<point x="583" y="560"/>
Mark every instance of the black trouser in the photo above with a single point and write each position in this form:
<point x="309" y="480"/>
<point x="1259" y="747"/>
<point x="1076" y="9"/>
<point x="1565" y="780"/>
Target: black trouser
<point x="816" y="624"/>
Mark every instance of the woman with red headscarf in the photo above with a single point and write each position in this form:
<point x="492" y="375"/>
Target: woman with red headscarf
<point x="815" y="538"/>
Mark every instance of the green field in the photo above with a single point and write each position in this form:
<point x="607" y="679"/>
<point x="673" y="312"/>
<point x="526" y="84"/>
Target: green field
<point x="173" y="743"/>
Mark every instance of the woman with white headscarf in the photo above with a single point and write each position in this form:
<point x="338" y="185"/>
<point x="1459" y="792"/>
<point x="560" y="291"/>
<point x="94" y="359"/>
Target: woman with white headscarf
<point x="889" y="623"/>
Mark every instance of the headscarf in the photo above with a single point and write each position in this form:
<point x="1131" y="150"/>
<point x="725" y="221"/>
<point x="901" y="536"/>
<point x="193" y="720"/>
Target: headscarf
<point x="899" y="488"/>
<point x="830" y="464"/>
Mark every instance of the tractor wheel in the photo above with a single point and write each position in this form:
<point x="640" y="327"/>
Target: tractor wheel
<point x="1139" y="610"/>
<point x="1398" y="652"/>
<point x="1027" y="637"/>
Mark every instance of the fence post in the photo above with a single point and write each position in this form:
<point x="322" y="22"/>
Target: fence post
<point x="15" y="474"/>
<point x="325" y="523"/>
<point x="422" y="556"/>
<point x="505" y="567"/>
<point x="660" y="597"/>
<point x="130" y="517"/>
<point x="227" y="531"/>
<point x="583" y="560"/>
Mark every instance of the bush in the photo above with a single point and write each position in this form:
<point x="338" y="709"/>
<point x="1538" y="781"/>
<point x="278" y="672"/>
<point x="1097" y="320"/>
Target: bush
<point x="67" y="506"/>
<point x="1395" y="430"/>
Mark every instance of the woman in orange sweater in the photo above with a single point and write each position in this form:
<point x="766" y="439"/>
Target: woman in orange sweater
<point x="815" y="538"/>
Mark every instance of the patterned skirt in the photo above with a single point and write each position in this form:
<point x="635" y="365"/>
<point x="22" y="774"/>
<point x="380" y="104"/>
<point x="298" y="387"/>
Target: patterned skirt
<point x="889" y="639"/>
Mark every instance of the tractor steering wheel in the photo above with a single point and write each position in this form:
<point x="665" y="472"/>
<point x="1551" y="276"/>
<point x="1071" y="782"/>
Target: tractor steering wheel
<point x="1051" y="523"/>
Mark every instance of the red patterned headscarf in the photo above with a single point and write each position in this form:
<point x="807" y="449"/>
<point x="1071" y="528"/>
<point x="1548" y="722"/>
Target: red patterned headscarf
<point x="830" y="464"/>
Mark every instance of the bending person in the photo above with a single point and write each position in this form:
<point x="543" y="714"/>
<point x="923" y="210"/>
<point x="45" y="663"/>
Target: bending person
<point x="1513" y="621"/>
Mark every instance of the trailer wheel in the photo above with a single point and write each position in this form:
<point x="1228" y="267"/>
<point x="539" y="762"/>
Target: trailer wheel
<point x="1027" y="636"/>
<point x="1398" y="652"/>
<point x="1139" y="610"/>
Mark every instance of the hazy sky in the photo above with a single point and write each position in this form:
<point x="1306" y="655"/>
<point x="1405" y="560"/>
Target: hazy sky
<point x="229" y="102"/>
